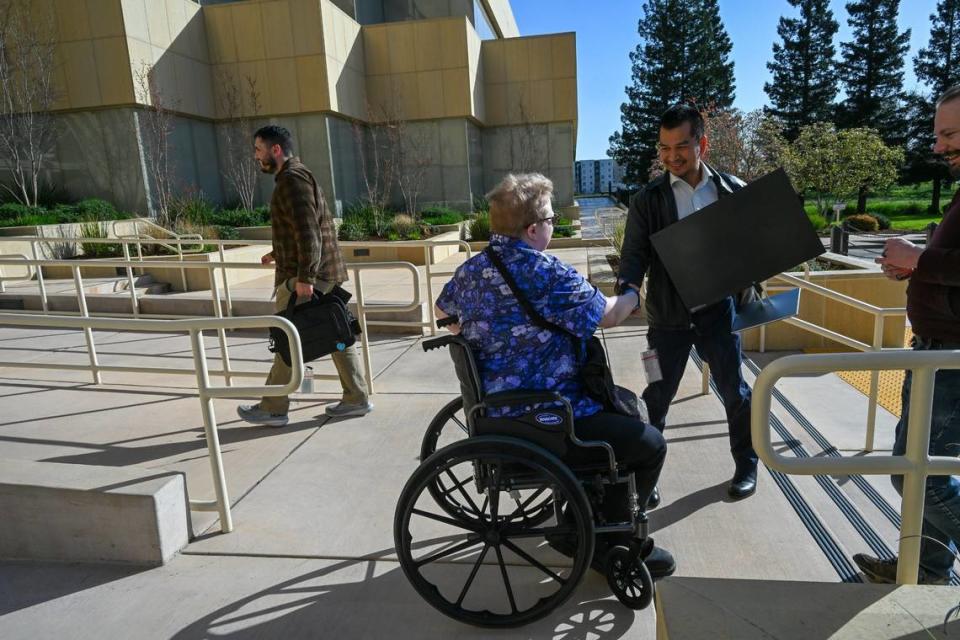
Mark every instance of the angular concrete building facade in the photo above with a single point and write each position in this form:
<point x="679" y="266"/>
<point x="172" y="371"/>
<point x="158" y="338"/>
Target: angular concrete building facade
<point x="340" y="74"/>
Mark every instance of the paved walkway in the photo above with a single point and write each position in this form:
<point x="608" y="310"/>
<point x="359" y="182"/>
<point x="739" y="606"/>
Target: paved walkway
<point x="312" y="553"/>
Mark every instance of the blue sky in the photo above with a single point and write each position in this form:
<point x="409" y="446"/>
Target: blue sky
<point x="607" y="31"/>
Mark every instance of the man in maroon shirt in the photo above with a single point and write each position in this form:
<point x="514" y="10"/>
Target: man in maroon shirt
<point x="933" y="306"/>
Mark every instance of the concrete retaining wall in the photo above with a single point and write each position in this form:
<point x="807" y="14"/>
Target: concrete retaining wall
<point x="81" y="513"/>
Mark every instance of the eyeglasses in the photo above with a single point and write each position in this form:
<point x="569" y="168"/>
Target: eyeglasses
<point x="548" y="219"/>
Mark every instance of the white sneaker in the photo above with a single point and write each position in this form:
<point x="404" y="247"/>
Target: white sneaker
<point x="342" y="409"/>
<point x="253" y="414"/>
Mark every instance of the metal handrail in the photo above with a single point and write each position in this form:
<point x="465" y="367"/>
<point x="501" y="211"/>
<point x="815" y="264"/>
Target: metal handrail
<point x="28" y="276"/>
<point x="206" y="391"/>
<point x="915" y="464"/>
<point x="879" y="316"/>
<point x="363" y="309"/>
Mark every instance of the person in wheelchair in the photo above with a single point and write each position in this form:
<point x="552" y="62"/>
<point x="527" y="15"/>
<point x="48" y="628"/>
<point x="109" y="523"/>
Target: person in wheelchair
<point x="514" y="351"/>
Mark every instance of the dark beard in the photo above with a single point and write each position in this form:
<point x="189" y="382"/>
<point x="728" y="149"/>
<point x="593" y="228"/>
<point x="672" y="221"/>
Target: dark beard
<point x="269" y="167"/>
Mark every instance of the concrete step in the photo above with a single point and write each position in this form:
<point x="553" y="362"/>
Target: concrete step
<point x="81" y="513"/>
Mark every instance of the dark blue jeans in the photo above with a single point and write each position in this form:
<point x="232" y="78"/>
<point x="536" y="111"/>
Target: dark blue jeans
<point x="720" y="348"/>
<point x="941" y="505"/>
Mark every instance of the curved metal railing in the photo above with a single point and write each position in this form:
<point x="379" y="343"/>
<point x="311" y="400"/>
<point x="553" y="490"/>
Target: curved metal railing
<point x="915" y="464"/>
<point x="206" y="391"/>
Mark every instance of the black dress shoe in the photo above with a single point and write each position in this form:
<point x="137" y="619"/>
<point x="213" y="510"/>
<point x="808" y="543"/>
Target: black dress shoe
<point x="654" y="500"/>
<point x="743" y="484"/>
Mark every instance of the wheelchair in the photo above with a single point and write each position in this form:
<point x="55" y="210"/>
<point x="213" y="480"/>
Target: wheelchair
<point x="483" y="525"/>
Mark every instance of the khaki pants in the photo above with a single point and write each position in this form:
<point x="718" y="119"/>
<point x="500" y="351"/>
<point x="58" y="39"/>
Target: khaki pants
<point x="347" y="363"/>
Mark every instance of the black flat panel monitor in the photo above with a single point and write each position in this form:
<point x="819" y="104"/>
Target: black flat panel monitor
<point x="742" y="238"/>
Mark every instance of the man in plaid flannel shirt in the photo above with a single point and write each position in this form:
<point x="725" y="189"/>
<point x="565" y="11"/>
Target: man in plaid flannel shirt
<point x="306" y="256"/>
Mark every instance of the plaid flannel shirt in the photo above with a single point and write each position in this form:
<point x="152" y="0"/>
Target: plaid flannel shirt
<point x="304" y="238"/>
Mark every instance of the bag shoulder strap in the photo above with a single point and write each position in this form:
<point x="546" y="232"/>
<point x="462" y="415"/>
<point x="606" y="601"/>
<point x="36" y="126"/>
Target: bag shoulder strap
<point x="535" y="315"/>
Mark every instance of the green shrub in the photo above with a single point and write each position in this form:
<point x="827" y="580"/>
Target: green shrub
<point x="480" y="205"/>
<point x="30" y="220"/>
<point x="190" y="207"/>
<point x="438" y="215"/>
<point x="882" y="220"/>
<point x="97" y="229"/>
<point x="563" y="227"/>
<point x="441" y="215"/>
<point x="862" y="222"/>
<point x="226" y="232"/>
<point x="479" y="227"/>
<point x="818" y="221"/>
<point x="11" y="210"/>
<point x="353" y="228"/>
<point x="234" y="218"/>
<point x="405" y="227"/>
<point x="94" y="209"/>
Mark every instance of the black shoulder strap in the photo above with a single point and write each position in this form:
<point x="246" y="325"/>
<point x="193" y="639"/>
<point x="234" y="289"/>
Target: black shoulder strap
<point x="535" y="315"/>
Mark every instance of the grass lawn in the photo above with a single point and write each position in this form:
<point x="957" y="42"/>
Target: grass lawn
<point x="912" y="223"/>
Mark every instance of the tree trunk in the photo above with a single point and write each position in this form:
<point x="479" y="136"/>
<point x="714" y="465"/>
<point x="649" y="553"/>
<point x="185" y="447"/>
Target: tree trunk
<point x="935" y="203"/>
<point x="862" y="200"/>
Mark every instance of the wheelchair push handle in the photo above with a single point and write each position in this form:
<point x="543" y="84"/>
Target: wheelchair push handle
<point x="437" y="343"/>
<point x="443" y="322"/>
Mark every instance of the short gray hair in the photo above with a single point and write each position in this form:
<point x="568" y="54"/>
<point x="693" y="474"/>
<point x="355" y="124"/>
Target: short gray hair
<point x="518" y="201"/>
<point x="949" y="95"/>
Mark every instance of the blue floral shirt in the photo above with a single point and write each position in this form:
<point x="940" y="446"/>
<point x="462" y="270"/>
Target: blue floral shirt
<point x="510" y="351"/>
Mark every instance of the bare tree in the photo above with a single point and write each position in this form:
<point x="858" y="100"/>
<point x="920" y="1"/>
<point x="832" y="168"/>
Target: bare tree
<point x="27" y="94"/>
<point x="156" y="127"/>
<point x="526" y="159"/>
<point x="413" y="158"/>
<point x="239" y="102"/>
<point x="748" y="145"/>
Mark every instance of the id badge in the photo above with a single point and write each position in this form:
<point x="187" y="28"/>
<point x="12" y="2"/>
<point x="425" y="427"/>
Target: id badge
<point x="651" y="366"/>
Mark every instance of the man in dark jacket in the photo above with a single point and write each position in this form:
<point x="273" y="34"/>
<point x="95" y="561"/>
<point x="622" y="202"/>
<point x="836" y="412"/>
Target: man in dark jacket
<point x="933" y="307"/>
<point x="307" y="256"/>
<point x="687" y="186"/>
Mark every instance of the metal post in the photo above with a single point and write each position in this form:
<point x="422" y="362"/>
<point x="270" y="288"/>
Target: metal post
<point x="705" y="379"/>
<point x="364" y="340"/>
<point x="210" y="431"/>
<point x="431" y="313"/>
<point x="183" y="272"/>
<point x="43" y="287"/>
<point x="763" y="338"/>
<point x="87" y="331"/>
<point x="914" y="483"/>
<point x="226" y="281"/>
<point x="133" y="292"/>
<point x="221" y="332"/>
<point x="874" y="384"/>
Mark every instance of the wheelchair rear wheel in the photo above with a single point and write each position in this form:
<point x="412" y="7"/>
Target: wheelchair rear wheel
<point x="495" y="569"/>
<point x="447" y="427"/>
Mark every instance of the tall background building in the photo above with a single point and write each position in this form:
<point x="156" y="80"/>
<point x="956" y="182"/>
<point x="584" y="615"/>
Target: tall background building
<point x="470" y="97"/>
<point x="598" y="176"/>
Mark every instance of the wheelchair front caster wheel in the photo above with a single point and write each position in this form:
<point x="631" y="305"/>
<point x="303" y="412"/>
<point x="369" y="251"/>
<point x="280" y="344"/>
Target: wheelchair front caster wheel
<point x="629" y="578"/>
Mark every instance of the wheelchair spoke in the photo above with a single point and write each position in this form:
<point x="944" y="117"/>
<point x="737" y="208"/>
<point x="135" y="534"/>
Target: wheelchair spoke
<point x="473" y="574"/>
<point x="450" y="521"/>
<point x="533" y="496"/>
<point x="506" y="580"/>
<point x="460" y="423"/>
<point x="462" y="492"/>
<point x="466" y="544"/>
<point x="533" y="561"/>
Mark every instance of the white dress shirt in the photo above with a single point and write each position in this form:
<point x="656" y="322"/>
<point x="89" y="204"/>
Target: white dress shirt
<point x="690" y="199"/>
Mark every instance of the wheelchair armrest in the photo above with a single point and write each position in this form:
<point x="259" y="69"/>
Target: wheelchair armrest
<point x="526" y="396"/>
